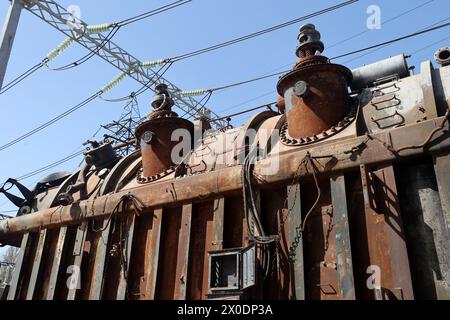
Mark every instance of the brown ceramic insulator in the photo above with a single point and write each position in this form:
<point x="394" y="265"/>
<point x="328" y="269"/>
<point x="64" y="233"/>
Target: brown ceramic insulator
<point x="157" y="151"/>
<point x="281" y="104"/>
<point x="323" y="104"/>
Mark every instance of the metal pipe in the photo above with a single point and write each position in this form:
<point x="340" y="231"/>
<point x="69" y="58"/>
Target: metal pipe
<point x="328" y="158"/>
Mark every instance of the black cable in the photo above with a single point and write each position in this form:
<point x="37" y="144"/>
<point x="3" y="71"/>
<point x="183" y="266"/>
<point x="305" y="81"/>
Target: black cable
<point x="247" y="81"/>
<point x="22" y="77"/>
<point x="50" y="166"/>
<point x="152" y="12"/>
<point x="259" y="33"/>
<point x="73" y="109"/>
<point x="392" y="41"/>
<point x="353" y="52"/>
<point x="88" y="56"/>
<point x="202" y="102"/>
<point x="267" y="105"/>
<point x="116" y="27"/>
<point x="50" y="122"/>
<point x="384" y="23"/>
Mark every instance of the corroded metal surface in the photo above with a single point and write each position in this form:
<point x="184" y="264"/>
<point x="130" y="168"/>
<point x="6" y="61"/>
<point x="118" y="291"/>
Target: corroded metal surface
<point x="359" y="212"/>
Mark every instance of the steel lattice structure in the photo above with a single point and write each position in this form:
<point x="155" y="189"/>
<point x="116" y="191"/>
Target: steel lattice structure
<point x="58" y="17"/>
<point x="122" y="130"/>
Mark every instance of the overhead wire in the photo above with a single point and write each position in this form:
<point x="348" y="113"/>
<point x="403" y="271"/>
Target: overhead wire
<point x="86" y="57"/>
<point x="73" y="109"/>
<point x="415" y="34"/>
<point x="111" y="27"/>
<point x="363" y="32"/>
<point x="253" y="35"/>
<point x="203" y="91"/>
<point x="50" y="166"/>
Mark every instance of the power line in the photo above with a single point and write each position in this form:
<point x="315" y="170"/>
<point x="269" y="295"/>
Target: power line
<point x="85" y="102"/>
<point x="381" y="47"/>
<point x="152" y="12"/>
<point x="364" y="31"/>
<point x="49" y="166"/>
<point x="203" y="91"/>
<point x="383" y="23"/>
<point x="392" y="41"/>
<point x="86" y="57"/>
<point x="259" y="33"/>
<point x="50" y="122"/>
<point x="113" y="28"/>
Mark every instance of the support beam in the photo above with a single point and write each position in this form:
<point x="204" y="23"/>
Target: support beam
<point x="151" y="274"/>
<point x="78" y="252"/>
<point x="122" y="289"/>
<point x="294" y="221"/>
<point x="219" y="211"/>
<point x="7" y="36"/>
<point x="19" y="267"/>
<point x="183" y="253"/>
<point x="441" y="170"/>
<point x="36" y="264"/>
<point x="95" y="291"/>
<point x="342" y="234"/>
<point x="56" y="263"/>
<point x="386" y="240"/>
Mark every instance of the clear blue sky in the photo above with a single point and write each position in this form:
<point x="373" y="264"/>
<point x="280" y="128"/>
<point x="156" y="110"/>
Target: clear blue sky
<point x="193" y="26"/>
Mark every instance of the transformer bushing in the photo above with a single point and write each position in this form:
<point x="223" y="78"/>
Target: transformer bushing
<point x="315" y="91"/>
<point x="154" y="136"/>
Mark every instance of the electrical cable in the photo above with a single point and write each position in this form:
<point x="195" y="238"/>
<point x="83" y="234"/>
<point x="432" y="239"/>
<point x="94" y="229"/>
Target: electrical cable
<point x="152" y="12"/>
<point x="366" y="30"/>
<point x="392" y="41"/>
<point x="88" y="56"/>
<point x="259" y="33"/>
<point x="203" y="91"/>
<point x="113" y="28"/>
<point x="22" y="77"/>
<point x="50" y="166"/>
<point x="381" y="47"/>
<point x="69" y="111"/>
<point x="49" y="122"/>
<point x="363" y="32"/>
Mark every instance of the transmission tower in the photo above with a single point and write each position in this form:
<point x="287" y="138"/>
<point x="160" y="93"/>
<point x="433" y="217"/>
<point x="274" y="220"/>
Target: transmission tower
<point x="122" y="130"/>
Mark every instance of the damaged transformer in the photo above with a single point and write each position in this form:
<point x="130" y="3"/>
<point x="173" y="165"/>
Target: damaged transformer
<point x="349" y="181"/>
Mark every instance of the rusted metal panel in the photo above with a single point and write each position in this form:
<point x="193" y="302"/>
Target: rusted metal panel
<point x="342" y="234"/>
<point x="321" y="275"/>
<point x="183" y="253"/>
<point x="152" y="273"/>
<point x="426" y="83"/>
<point x="205" y="218"/>
<point x="95" y="290"/>
<point x="78" y="251"/>
<point x="442" y="171"/>
<point x="36" y="264"/>
<point x="122" y="288"/>
<point x="385" y="234"/>
<point x="426" y="232"/>
<point x="165" y="283"/>
<point x="219" y="211"/>
<point x="19" y="267"/>
<point x="295" y="224"/>
<point x="56" y="264"/>
<point x="274" y="218"/>
<point x="140" y="258"/>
